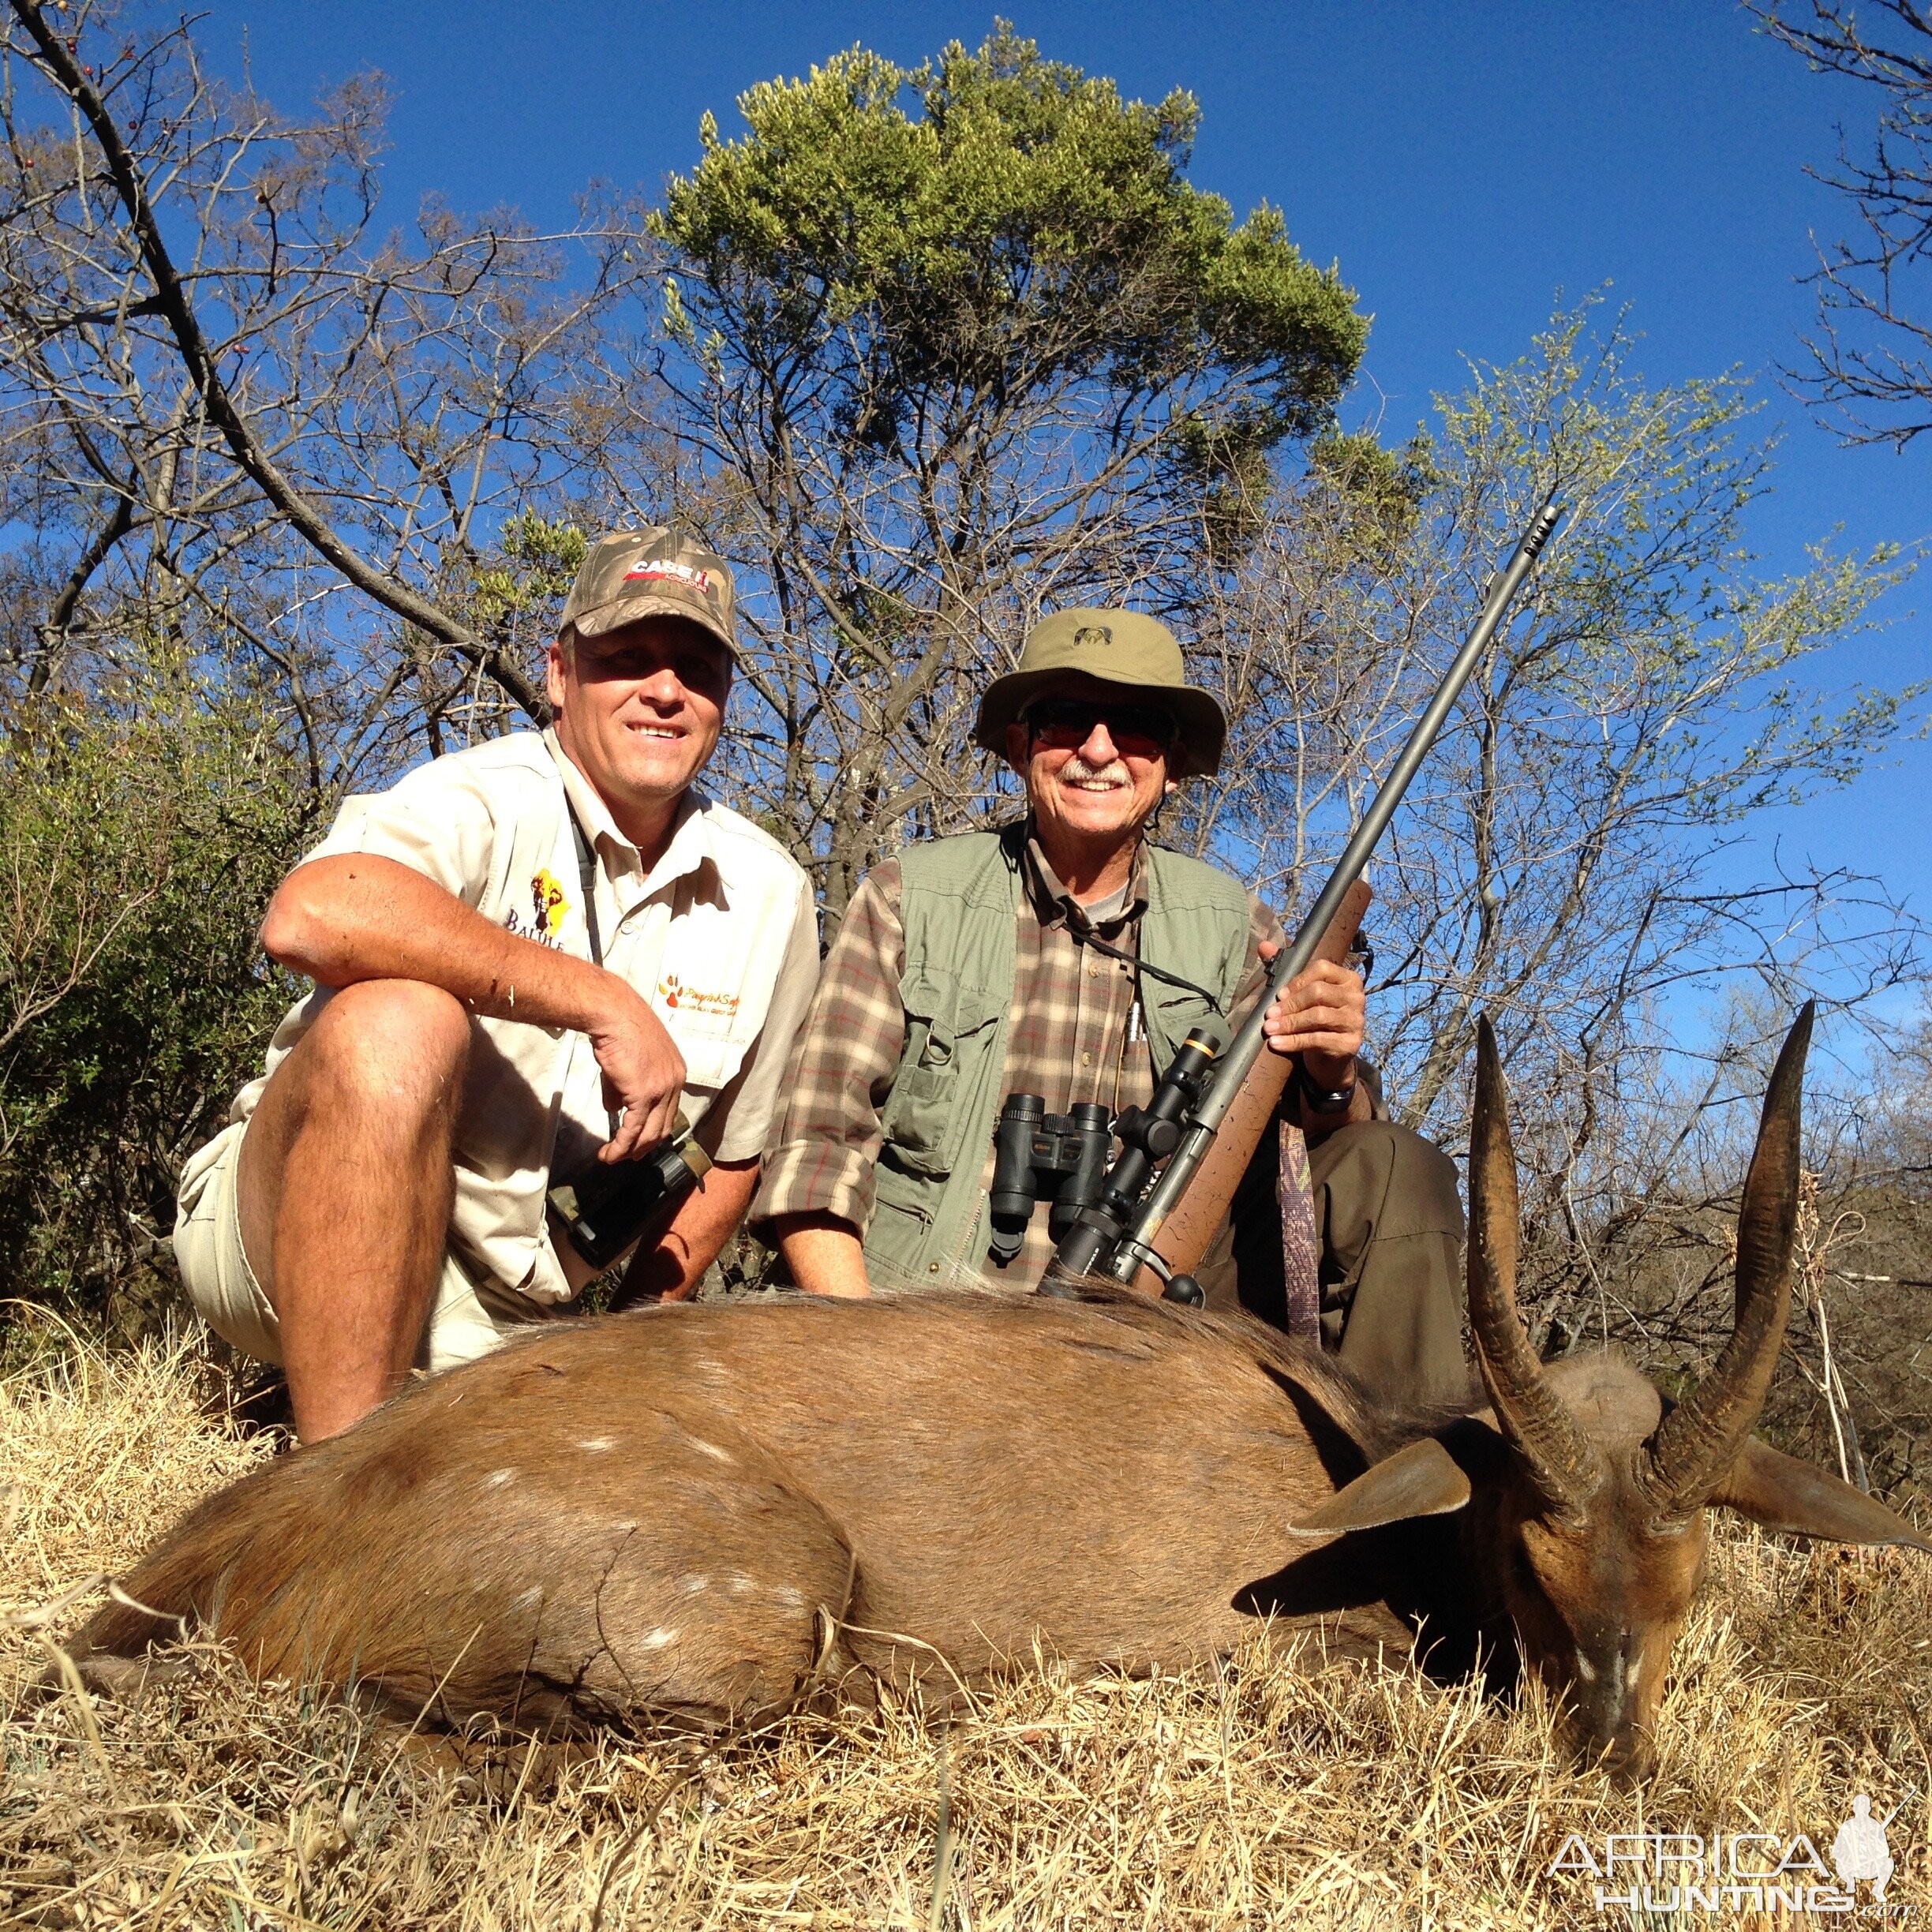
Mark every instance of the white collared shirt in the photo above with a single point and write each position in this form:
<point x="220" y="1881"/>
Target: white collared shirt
<point x="719" y="936"/>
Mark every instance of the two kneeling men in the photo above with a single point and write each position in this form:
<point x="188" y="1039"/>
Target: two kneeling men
<point x="532" y="957"/>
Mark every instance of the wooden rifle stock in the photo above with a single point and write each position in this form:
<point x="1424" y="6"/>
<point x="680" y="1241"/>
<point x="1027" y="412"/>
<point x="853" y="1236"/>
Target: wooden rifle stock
<point x="1185" y="1237"/>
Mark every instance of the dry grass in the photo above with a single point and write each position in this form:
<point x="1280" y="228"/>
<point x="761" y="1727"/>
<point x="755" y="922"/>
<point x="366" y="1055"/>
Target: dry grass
<point x="1252" y="1796"/>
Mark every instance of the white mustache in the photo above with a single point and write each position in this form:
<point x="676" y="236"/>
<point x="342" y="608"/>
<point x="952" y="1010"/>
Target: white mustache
<point x="1077" y="768"/>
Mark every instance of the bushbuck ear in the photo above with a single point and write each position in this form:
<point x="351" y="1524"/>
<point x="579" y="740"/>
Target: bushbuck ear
<point x="1422" y="1480"/>
<point x="1782" y="1493"/>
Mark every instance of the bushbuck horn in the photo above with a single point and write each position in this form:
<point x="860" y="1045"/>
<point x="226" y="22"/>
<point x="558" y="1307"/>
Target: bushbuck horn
<point x="1529" y="1410"/>
<point x="1701" y="1438"/>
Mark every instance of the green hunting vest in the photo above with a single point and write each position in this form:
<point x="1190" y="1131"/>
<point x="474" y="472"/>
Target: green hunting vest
<point x="960" y="904"/>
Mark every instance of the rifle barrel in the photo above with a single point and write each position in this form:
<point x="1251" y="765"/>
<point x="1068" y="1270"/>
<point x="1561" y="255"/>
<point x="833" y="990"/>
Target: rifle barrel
<point x="1231" y="1068"/>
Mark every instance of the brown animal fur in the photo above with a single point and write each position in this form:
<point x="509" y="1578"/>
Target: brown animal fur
<point x="657" y="1510"/>
<point x="708" y="1511"/>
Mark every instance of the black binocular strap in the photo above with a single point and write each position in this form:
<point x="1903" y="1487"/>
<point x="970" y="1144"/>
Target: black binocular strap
<point x="587" y="874"/>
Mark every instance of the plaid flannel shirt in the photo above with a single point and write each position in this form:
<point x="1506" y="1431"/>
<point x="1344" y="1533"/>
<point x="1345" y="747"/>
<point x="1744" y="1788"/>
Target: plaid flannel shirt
<point x="1075" y="1034"/>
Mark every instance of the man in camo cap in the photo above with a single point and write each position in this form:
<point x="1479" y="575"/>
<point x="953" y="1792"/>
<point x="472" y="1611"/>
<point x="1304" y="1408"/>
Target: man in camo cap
<point x="530" y="958"/>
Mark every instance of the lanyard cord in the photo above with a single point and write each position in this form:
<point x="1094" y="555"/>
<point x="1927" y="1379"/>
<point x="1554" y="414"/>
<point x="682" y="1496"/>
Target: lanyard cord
<point x="587" y="874"/>
<point x="1085" y="935"/>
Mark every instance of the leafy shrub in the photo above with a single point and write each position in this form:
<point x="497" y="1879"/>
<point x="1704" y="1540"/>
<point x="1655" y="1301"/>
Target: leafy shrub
<point x="141" y="832"/>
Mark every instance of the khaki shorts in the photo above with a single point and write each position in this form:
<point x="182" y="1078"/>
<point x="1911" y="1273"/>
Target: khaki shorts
<point x="222" y="1287"/>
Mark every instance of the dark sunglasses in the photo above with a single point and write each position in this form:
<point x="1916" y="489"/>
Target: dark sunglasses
<point x="1066" y="724"/>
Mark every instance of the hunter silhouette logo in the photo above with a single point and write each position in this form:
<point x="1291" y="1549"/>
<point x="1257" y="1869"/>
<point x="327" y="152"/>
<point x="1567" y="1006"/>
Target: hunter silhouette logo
<point x="1732" y="1872"/>
<point x="548" y="906"/>
<point x="1094" y="637"/>
<point x="673" y="992"/>
<point x="1859" y="1852"/>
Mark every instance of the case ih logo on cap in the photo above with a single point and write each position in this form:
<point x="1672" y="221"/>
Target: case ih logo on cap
<point x="656" y="569"/>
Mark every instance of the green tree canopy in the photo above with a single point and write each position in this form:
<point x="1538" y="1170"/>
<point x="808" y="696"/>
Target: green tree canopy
<point x="961" y="341"/>
<point x="1025" y="223"/>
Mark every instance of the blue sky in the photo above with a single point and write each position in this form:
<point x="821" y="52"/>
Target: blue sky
<point x="1462" y="164"/>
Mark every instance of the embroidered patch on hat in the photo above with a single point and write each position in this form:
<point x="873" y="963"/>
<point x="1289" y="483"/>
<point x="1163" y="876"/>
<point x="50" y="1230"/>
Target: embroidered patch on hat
<point x="1093" y="637"/>
<point x="656" y="569"/>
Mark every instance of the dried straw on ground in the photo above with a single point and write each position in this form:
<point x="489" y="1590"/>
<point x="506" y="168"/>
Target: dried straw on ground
<point x="1250" y="1796"/>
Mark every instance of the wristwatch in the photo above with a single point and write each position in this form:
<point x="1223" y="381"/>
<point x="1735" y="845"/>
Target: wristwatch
<point x="1324" y="1100"/>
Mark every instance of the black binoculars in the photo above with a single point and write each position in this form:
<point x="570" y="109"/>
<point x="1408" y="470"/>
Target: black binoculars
<point x="1034" y="1152"/>
<point x="606" y="1209"/>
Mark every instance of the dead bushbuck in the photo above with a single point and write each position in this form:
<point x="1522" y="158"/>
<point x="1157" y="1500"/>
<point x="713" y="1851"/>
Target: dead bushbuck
<point x="708" y="1511"/>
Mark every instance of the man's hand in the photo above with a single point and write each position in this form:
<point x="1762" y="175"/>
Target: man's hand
<point x="1320" y="1014"/>
<point x="643" y="1074"/>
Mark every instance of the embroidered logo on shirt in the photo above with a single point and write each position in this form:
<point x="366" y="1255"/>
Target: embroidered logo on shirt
<point x="548" y="903"/>
<point x="673" y="992"/>
<point x="547" y="906"/>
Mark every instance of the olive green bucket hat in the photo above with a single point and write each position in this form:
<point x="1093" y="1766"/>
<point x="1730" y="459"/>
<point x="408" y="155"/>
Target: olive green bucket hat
<point x="1118" y="647"/>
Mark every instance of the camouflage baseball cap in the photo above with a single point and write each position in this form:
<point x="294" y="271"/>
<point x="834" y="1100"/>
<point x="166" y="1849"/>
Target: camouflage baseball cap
<point x="652" y="573"/>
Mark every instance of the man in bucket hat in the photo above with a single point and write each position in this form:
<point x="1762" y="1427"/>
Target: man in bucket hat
<point x="530" y="958"/>
<point x="1068" y="955"/>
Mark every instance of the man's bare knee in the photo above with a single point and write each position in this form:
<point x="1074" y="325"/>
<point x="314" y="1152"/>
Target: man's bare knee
<point x="392" y="1051"/>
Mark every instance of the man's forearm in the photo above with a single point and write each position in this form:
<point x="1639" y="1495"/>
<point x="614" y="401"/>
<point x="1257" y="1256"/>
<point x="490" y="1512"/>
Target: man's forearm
<point x="673" y="1266"/>
<point x="348" y="918"/>
<point x="823" y="1254"/>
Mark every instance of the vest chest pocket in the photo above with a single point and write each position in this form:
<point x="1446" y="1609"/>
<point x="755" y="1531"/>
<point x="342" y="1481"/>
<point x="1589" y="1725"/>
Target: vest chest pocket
<point x="950" y="1029"/>
<point x="1175" y="1014"/>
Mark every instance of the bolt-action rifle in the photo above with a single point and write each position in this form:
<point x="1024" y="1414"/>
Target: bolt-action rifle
<point x="1211" y="1106"/>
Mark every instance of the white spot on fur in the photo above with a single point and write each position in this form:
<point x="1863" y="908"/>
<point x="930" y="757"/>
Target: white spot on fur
<point x="1586" y="1669"/>
<point x="710" y="1449"/>
<point x="499" y="1477"/>
<point x="532" y="1595"/>
<point x="660" y="1637"/>
<point x="791" y="1599"/>
<point x="1636" y="1670"/>
<point x="628" y="1524"/>
<point x="740" y="1583"/>
<point x="595" y="1443"/>
<point x="694" y="1585"/>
